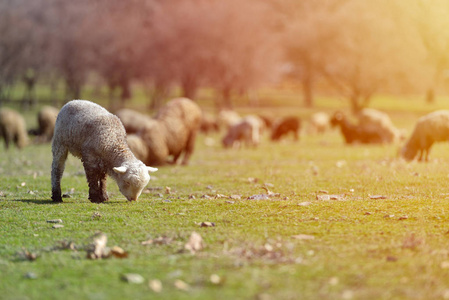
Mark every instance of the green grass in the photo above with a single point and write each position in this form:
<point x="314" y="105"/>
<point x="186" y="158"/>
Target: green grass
<point x="363" y="248"/>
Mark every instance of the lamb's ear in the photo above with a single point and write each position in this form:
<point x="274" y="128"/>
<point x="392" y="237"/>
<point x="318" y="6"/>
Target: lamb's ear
<point x="120" y="170"/>
<point x="151" y="169"/>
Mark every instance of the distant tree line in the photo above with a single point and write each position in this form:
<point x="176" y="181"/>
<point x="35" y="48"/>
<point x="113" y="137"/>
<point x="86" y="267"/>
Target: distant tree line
<point x="357" y="48"/>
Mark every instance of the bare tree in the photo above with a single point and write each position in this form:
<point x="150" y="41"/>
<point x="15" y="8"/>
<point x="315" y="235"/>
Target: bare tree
<point x="311" y="30"/>
<point x="226" y="45"/>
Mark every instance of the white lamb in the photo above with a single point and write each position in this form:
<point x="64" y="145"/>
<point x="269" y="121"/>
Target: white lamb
<point x="429" y="129"/>
<point x="319" y="123"/>
<point x="98" y="138"/>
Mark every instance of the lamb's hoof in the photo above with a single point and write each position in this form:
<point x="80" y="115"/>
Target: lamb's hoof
<point x="56" y="199"/>
<point x="98" y="199"/>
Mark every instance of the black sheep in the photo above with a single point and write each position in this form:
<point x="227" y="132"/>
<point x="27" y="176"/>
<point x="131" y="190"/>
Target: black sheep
<point x="285" y="126"/>
<point x="353" y="133"/>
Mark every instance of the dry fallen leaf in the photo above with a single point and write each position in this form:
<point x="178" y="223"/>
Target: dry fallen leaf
<point x="96" y="215"/>
<point x="195" y="243"/>
<point x="303" y="237"/>
<point x="118" y="252"/>
<point x="132" y="278"/>
<point x="235" y="197"/>
<point x="252" y="180"/>
<point x="215" y="279"/>
<point x="259" y="197"/>
<point x="304" y="203"/>
<point x="168" y="190"/>
<point x="377" y="197"/>
<point x="181" y="285"/>
<point x="57" y="226"/>
<point x="54" y="221"/>
<point x="155" y="285"/>
<point x="206" y="224"/>
<point x="97" y="249"/>
<point x="27" y="255"/>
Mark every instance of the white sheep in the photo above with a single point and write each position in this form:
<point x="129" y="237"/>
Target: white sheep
<point x="98" y="138"/>
<point x="319" y="123"/>
<point x="13" y="128"/>
<point x="172" y="132"/>
<point x="375" y="120"/>
<point x="246" y="131"/>
<point x="429" y="129"/>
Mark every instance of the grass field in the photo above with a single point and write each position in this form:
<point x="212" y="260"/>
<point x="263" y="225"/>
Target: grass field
<point x="383" y="234"/>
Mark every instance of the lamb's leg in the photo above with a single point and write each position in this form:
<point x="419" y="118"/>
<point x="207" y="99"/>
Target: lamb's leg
<point x="296" y="135"/>
<point x="95" y="180"/>
<point x="420" y="154"/>
<point x="427" y="150"/>
<point x="7" y="138"/>
<point x="189" y="148"/>
<point x="103" y="189"/>
<point x="57" y="169"/>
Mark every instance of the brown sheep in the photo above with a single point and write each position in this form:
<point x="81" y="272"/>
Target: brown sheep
<point x="429" y="129"/>
<point x="172" y="132"/>
<point x="46" y="119"/>
<point x="132" y="120"/>
<point x="13" y="128"/>
<point x="137" y="146"/>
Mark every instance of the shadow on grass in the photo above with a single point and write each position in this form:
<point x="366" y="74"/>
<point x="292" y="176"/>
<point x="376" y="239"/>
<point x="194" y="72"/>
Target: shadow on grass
<point x="50" y="202"/>
<point x="35" y="201"/>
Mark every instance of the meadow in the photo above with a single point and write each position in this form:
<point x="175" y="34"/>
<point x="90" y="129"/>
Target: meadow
<point x="313" y="219"/>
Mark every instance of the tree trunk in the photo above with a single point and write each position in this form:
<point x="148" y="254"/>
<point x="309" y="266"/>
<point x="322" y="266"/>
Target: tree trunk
<point x="226" y="102"/>
<point x="126" y="90"/>
<point x="430" y="96"/>
<point x="159" y="92"/>
<point x="189" y="87"/>
<point x="355" y="103"/>
<point x="307" y="84"/>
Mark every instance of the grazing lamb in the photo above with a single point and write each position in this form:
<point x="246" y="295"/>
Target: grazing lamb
<point x="131" y="119"/>
<point x="429" y="129"/>
<point x="353" y="133"/>
<point x="46" y="119"/>
<point x="319" y="123"/>
<point x="90" y="132"/>
<point x="172" y="132"/>
<point x="372" y="119"/>
<point x="285" y="126"/>
<point x="246" y="131"/>
<point x="13" y="128"/>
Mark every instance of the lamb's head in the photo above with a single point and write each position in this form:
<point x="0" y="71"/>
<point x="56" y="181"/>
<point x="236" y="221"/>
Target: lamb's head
<point x="132" y="177"/>
<point x="337" y="118"/>
<point x="228" y="141"/>
<point x="409" y="152"/>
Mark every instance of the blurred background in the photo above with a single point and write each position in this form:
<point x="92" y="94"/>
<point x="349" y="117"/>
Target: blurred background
<point x="222" y="53"/>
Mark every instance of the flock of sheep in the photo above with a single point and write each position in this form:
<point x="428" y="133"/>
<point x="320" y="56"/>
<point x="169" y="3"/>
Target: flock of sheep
<point x="124" y="145"/>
